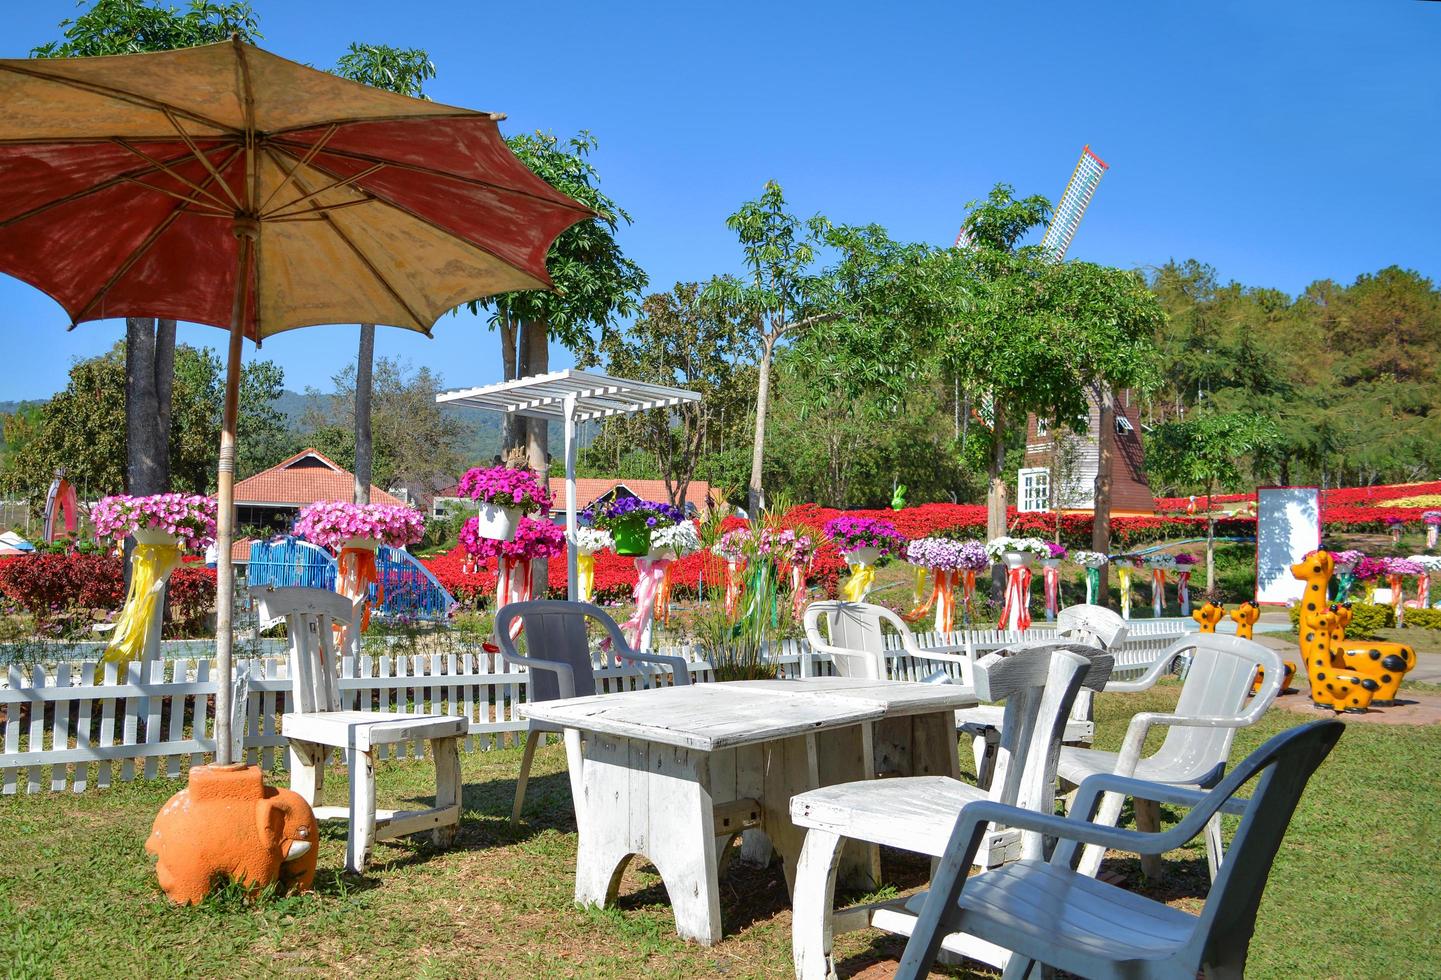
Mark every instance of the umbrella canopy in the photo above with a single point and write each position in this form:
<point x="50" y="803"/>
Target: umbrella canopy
<point x="224" y="185"/>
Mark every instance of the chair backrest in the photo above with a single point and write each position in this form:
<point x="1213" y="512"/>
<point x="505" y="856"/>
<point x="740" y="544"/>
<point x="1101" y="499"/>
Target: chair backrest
<point x="1038" y="685"/>
<point x="322" y="627"/>
<point x="1218" y="684"/>
<point x="1089" y="623"/>
<point x="555" y="630"/>
<point x="856" y="636"/>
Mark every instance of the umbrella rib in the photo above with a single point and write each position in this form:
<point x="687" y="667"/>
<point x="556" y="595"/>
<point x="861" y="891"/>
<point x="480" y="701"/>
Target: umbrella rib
<point x="144" y="247"/>
<point x="397" y="117"/>
<point x="96" y="189"/>
<point x="280" y="212"/>
<point x="291" y="173"/>
<point x="287" y="147"/>
<point x="220" y="202"/>
<point x="319" y="209"/>
<point x="119" y="95"/>
<point x="204" y="160"/>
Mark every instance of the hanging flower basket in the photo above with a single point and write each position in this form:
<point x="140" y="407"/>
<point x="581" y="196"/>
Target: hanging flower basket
<point x="505" y="494"/>
<point x="864" y="539"/>
<point x="340" y="524"/>
<point x="165" y="518"/>
<point x="632" y="540"/>
<point x="1017" y="552"/>
<point x="630" y="522"/>
<point x="533" y="539"/>
<point x="675" y="541"/>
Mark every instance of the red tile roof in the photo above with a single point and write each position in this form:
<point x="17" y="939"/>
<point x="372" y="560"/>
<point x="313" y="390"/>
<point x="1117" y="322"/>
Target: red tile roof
<point x="586" y="490"/>
<point x="303" y="479"/>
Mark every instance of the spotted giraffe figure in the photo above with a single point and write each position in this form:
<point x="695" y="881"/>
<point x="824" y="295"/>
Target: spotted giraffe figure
<point x="1208" y="616"/>
<point x="1245" y="616"/>
<point x="1337" y="690"/>
<point x="1382" y="663"/>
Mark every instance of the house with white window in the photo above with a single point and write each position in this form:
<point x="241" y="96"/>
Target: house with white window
<point x="1073" y="458"/>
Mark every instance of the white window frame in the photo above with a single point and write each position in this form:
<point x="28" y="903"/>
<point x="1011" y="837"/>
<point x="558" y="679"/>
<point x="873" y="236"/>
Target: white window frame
<point x="1123" y="425"/>
<point x="1033" y="489"/>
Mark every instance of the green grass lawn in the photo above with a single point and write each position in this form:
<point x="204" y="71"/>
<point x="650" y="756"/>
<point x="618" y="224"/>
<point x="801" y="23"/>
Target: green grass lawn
<point x="1356" y="891"/>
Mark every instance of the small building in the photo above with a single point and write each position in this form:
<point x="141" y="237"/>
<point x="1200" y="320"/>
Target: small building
<point x="1079" y="459"/>
<point x="271" y="500"/>
<point x="697" y="496"/>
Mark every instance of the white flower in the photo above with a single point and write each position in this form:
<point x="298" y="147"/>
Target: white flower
<point x="997" y="547"/>
<point x="1088" y="559"/>
<point x="589" y="540"/>
<point x="682" y="538"/>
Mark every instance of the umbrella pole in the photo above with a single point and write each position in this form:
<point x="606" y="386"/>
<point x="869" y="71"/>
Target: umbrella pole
<point x="246" y="232"/>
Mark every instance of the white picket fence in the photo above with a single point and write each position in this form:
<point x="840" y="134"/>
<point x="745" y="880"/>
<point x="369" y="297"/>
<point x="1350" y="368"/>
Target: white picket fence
<point x="83" y="725"/>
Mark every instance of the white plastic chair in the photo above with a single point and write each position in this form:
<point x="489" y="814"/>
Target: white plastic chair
<point x="317" y="724"/>
<point x="1091" y="625"/>
<point x="916" y="813"/>
<point x="857" y="643"/>
<point x="1047" y="913"/>
<point x="1214" y="702"/>
<point x="561" y="664"/>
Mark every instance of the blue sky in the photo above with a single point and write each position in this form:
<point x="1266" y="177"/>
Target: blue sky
<point x="1282" y="142"/>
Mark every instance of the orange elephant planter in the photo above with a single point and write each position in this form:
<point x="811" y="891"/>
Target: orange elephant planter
<point x="228" y="825"/>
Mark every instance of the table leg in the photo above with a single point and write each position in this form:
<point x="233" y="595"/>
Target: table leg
<point x="935" y="747"/>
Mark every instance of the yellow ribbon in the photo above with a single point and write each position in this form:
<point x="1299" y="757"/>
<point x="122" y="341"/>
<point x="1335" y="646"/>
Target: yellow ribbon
<point x="862" y="575"/>
<point x="585" y="575"/>
<point x="918" y="591"/>
<point x="150" y="566"/>
<point x="1123" y="573"/>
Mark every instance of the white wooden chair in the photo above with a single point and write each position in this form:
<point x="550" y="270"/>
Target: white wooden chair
<point x="1214" y="702"/>
<point x="318" y="723"/>
<point x="857" y="643"/>
<point x="1045" y="912"/>
<point x="916" y="813"/>
<point x="561" y="664"/>
<point x="1091" y="625"/>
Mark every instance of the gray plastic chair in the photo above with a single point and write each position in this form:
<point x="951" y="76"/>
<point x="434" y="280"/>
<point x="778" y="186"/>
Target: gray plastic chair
<point x="1215" y="701"/>
<point x="561" y="664"/>
<point x="1046" y="912"/>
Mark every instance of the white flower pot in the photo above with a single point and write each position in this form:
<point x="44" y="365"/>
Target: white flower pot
<point x="1018" y="559"/>
<point x="655" y="554"/>
<point x="368" y="544"/>
<point x="497" y="522"/>
<point x="1051" y="562"/>
<point x="153" y="535"/>
<point x="862" y="556"/>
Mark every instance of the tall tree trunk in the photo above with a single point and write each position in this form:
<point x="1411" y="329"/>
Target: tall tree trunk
<point x="537" y="437"/>
<point x="755" y="497"/>
<point x="364" y="365"/>
<point x="146" y="454"/>
<point x="1105" y="461"/>
<point x="510" y="425"/>
<point x="164" y="388"/>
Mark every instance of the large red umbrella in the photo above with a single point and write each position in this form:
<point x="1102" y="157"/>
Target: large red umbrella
<point x="225" y="185"/>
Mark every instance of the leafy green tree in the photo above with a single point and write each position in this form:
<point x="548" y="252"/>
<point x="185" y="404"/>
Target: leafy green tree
<point x="403" y="70"/>
<point x="112" y="27"/>
<point x="82" y="428"/>
<point x="688" y="339"/>
<point x="417" y="445"/>
<point x="594" y="281"/>
<point x="1205" y="452"/>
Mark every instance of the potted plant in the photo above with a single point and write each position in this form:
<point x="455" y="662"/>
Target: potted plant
<point x="674" y="540"/>
<point x="514" y="579"/>
<point x="1017" y="552"/>
<point x="864" y="540"/>
<point x="505" y="494"/>
<point x="1092" y="562"/>
<point x="631" y="521"/>
<point x="357" y="532"/>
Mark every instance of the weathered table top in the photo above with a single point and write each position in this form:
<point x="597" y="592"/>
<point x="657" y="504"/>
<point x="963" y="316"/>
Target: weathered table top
<point x="714" y="716"/>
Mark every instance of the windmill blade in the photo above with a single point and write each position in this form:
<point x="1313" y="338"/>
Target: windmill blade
<point x="1072" y="206"/>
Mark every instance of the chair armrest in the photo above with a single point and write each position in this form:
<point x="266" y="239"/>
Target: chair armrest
<point x="1169" y="793"/>
<point x="1142" y="722"/>
<point x="680" y="670"/>
<point x="1147" y="680"/>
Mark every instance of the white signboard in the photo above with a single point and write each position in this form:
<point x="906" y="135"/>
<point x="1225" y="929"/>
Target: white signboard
<point x="1288" y="527"/>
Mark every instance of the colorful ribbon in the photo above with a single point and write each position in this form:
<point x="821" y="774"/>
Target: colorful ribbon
<point x="357" y="574"/>
<point x="1345" y="579"/>
<point x="150" y="566"/>
<point x="945" y="594"/>
<point x="799" y="593"/>
<point x="513" y="583"/>
<point x="662" y="599"/>
<point x="1431" y="534"/>
<point x="968" y="595"/>
<point x="650" y="573"/>
<point x="585" y="576"/>
<point x="1395" y="582"/>
<point x="1158" y="592"/>
<point x="1183" y="591"/>
<point x="1093" y="584"/>
<point x="1051" y="576"/>
<point x="856" y="587"/>
<point x="918" y="585"/>
<point x="1423" y="590"/>
<point x="1016" y="612"/>
<point x="733" y="587"/>
<point x="1123" y="576"/>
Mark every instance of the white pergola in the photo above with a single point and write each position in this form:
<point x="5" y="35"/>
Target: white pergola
<point x="571" y="396"/>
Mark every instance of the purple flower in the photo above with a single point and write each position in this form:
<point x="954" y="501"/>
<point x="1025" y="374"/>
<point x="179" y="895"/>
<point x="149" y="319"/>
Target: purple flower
<point x="623" y="512"/>
<point x="851" y="533"/>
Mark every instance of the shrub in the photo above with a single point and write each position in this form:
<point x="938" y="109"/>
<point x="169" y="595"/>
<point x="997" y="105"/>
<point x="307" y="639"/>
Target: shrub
<point x="47" y="586"/>
<point x="1425" y="619"/>
<point x="190" y="594"/>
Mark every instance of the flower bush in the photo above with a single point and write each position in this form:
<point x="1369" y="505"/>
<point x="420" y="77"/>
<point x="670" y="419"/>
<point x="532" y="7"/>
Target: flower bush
<point x="1430" y="563"/>
<point x="505" y="486"/>
<point x="331" y="523"/>
<point x="47" y="586"/>
<point x="623" y="512"/>
<point x="187" y="516"/>
<point x="997" y="547"/>
<point x="850" y="533"/>
<point x="1368" y="568"/>
<point x="1431" y="517"/>
<point x="793" y="547"/>
<point x="1186" y="559"/>
<point x="1345" y="560"/>
<point x="1057" y="551"/>
<point x="1403" y="566"/>
<point x="1161" y="560"/>
<point x="533" y="539"/>
<point x="734" y="544"/>
<point x="947" y="554"/>
<point x="1089" y="559"/>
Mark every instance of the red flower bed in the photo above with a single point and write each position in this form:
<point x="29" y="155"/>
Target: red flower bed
<point x="1343" y="508"/>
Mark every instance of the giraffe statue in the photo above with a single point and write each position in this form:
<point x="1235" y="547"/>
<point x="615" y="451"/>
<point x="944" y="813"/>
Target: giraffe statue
<point x="1335" y="689"/>
<point x="1372" y="661"/>
<point x="1245" y="616"/>
<point x="1208" y="616"/>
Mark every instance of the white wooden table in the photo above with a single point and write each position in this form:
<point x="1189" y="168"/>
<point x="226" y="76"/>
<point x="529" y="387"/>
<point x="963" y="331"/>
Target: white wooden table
<point x="675" y="773"/>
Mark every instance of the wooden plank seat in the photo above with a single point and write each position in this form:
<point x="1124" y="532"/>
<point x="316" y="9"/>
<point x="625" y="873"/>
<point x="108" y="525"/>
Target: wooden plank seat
<point x="322" y="627"/>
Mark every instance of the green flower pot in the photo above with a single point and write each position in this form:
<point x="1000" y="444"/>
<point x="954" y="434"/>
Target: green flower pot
<point x="632" y="540"/>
